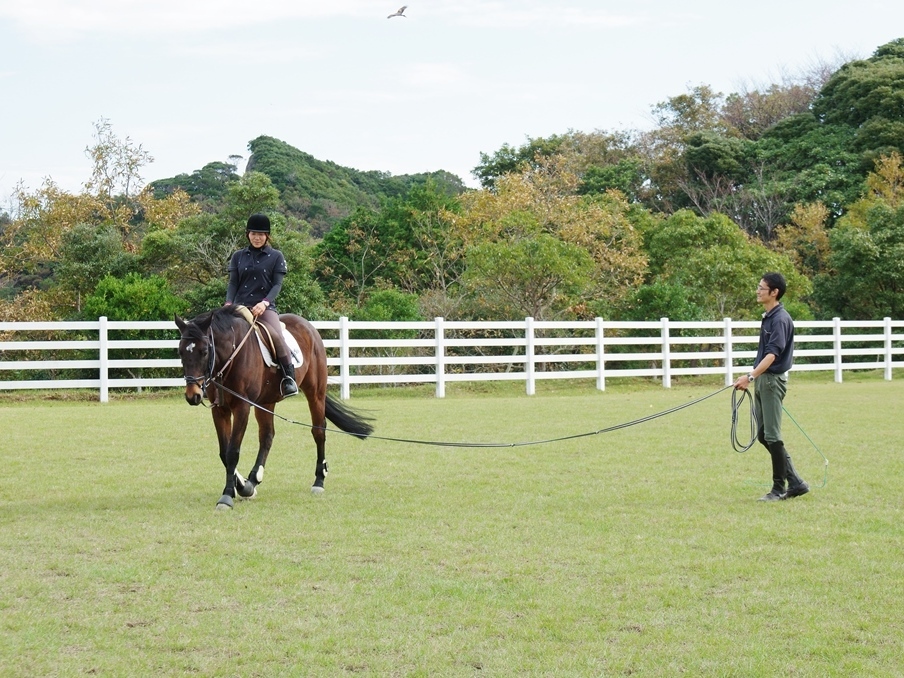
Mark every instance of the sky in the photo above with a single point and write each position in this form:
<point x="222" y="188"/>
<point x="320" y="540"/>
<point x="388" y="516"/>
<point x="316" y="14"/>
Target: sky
<point x="193" y="81"/>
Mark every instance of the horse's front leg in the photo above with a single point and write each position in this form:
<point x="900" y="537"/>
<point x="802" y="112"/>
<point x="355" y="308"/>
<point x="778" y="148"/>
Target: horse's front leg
<point x="222" y="421"/>
<point x="247" y="488"/>
<point x="231" y="454"/>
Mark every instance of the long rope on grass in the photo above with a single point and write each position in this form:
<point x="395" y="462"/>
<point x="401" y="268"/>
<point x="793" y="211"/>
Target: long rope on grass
<point x="736" y="404"/>
<point x="825" y="476"/>
<point x="436" y="443"/>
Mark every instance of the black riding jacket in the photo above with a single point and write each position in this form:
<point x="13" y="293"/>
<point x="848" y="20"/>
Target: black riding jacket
<point x="256" y="275"/>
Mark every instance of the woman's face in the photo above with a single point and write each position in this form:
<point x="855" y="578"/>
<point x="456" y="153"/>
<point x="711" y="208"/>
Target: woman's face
<point x="257" y="239"/>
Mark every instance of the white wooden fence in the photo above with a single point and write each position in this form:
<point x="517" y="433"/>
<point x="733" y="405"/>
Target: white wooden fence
<point x="442" y="351"/>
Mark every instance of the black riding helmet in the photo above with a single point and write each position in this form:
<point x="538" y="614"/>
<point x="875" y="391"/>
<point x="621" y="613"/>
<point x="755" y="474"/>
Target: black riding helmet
<point x="259" y="223"/>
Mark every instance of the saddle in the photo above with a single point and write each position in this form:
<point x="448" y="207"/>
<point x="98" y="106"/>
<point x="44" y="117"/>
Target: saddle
<point x="265" y="341"/>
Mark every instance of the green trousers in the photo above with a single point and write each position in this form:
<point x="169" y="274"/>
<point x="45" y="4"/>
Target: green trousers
<point x="768" y="393"/>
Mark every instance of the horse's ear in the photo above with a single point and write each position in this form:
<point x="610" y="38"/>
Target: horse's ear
<point x="179" y="322"/>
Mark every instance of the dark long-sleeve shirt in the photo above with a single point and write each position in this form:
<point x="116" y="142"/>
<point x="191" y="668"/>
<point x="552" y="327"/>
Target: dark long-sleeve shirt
<point x="256" y="275"/>
<point x="777" y="338"/>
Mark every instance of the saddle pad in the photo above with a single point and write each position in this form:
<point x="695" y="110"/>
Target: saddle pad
<point x="291" y="343"/>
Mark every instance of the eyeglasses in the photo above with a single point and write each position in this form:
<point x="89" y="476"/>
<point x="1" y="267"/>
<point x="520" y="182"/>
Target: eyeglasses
<point x="760" y="288"/>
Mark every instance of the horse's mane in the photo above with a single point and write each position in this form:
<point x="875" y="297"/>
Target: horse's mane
<point x="222" y="319"/>
<point x="219" y="319"/>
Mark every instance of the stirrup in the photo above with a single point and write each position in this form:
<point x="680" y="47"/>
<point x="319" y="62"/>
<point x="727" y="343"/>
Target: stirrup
<point x="288" y="387"/>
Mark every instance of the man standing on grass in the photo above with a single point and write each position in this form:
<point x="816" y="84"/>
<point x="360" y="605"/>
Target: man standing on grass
<point x="774" y="355"/>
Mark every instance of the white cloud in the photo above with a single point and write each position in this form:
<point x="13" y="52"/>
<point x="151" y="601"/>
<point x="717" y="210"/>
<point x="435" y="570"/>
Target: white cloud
<point x="59" y="19"/>
<point x="252" y="52"/>
<point x="525" y="14"/>
<point x="434" y="74"/>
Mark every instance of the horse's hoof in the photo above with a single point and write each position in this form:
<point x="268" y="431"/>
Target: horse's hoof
<point x="317" y="491"/>
<point x="244" y="488"/>
<point x="224" y="503"/>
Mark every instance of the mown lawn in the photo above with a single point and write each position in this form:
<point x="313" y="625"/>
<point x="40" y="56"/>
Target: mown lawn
<point x="637" y="552"/>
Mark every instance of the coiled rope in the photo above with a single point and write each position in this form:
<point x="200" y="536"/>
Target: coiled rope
<point x="740" y="446"/>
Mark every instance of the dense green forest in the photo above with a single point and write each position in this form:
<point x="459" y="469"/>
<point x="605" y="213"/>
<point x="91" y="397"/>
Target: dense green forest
<point x="804" y="176"/>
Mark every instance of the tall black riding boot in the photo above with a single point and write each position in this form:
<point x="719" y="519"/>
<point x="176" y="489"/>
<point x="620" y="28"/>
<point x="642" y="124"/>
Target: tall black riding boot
<point x="288" y="387"/>
<point x="797" y="486"/>
<point x="777" y="453"/>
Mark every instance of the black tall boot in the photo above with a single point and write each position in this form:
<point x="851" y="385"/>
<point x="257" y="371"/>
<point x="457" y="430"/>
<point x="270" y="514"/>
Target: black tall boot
<point x="288" y="387"/>
<point x="797" y="486"/>
<point x="777" y="454"/>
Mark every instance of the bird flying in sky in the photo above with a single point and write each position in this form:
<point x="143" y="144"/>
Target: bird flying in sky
<point x="399" y="12"/>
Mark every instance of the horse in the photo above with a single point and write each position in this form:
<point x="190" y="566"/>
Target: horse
<point x="222" y="361"/>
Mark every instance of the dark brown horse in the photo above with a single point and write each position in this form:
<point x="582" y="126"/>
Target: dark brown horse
<point x="222" y="360"/>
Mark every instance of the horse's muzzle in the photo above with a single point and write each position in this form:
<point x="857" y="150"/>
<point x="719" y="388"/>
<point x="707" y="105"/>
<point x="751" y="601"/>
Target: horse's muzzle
<point x="193" y="395"/>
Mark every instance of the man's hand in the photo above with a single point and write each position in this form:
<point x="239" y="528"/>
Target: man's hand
<point x="742" y="383"/>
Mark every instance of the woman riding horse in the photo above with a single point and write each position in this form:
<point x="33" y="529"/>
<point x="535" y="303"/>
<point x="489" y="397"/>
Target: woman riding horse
<point x="222" y="361"/>
<point x="256" y="273"/>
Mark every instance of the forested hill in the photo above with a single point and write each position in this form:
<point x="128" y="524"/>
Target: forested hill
<point x="805" y="176"/>
<point x="317" y="191"/>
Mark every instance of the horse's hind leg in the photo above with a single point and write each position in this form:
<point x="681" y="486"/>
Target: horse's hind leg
<point x="318" y="431"/>
<point x="247" y="488"/>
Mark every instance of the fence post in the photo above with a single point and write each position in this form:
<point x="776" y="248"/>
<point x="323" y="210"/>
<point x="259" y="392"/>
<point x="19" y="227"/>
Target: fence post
<point x="344" y="367"/>
<point x="600" y="356"/>
<point x="836" y="342"/>
<point x="887" y="349"/>
<point x="104" y="360"/>
<point x="440" y="336"/>
<point x="529" y="354"/>
<point x="666" y="366"/>
<point x="729" y="353"/>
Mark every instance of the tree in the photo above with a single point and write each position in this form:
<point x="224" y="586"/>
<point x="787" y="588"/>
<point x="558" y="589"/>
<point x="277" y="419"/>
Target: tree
<point x="134" y="297"/>
<point x="89" y="254"/>
<point x="825" y="153"/>
<point x="207" y="185"/>
<point x="301" y="294"/>
<point x="389" y="305"/>
<point x="662" y="148"/>
<point x="255" y="192"/>
<point x="115" y="178"/>
<point x="716" y="263"/>
<point x="751" y="112"/>
<point x="805" y="240"/>
<point x="44" y="216"/>
<point x="508" y="159"/>
<point x="625" y="176"/>
<point x="428" y="255"/>
<point x="537" y="277"/>
<point x="866" y="276"/>
<point x="543" y="200"/>
<point x="863" y="90"/>
<point x="352" y="257"/>
<point x="863" y="275"/>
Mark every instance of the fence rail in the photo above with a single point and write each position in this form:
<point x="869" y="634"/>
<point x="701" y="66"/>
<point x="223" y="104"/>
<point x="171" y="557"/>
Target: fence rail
<point x="107" y="354"/>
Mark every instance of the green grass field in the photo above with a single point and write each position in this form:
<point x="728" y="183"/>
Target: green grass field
<point x="639" y="552"/>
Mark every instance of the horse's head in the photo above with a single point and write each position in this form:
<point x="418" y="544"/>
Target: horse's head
<point x="195" y="351"/>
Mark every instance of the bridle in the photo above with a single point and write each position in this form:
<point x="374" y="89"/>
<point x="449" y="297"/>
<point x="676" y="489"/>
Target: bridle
<point x="209" y="377"/>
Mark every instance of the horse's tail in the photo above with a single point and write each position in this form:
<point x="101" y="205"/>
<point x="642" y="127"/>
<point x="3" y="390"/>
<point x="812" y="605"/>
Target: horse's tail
<point x="347" y="419"/>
